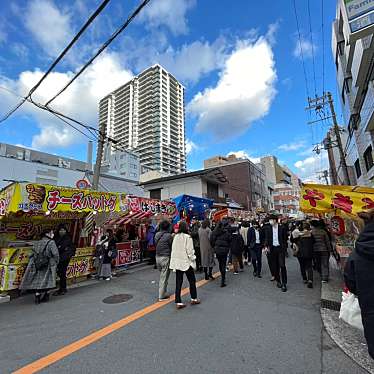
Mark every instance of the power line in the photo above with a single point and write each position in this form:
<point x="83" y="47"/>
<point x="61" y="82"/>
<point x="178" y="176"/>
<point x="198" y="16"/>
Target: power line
<point x="323" y="48"/>
<point x="312" y="45"/>
<point x="301" y="49"/>
<point x="58" y="59"/>
<point x="102" y="48"/>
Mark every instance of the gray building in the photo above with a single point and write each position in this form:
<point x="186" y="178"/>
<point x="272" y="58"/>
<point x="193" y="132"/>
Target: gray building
<point x="18" y="164"/>
<point x="146" y="115"/>
<point x="353" y="52"/>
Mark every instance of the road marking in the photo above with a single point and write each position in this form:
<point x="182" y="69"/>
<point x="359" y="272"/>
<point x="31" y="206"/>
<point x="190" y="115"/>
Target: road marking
<point x="63" y="352"/>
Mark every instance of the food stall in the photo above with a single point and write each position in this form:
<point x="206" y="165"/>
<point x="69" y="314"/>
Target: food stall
<point x="141" y="213"/>
<point x="192" y="207"/>
<point x="26" y="209"/>
<point x="340" y="204"/>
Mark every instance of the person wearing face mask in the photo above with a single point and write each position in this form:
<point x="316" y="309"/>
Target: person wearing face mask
<point x="255" y="242"/>
<point x="275" y="244"/>
<point x="40" y="274"/>
<point x="66" y="250"/>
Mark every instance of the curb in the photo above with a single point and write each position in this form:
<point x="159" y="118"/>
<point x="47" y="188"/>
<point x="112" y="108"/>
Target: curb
<point x="350" y="340"/>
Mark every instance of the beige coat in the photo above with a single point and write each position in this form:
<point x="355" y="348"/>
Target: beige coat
<point x="182" y="253"/>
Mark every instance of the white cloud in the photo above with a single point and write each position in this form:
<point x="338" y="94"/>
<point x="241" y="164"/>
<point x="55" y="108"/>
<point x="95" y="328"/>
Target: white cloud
<point x="243" y="93"/>
<point x="191" y="146"/>
<point x="193" y="60"/>
<point x="20" y="50"/>
<point x="80" y="101"/>
<point x="294" y="146"/>
<point x="170" y="13"/>
<point x="305" y="48"/>
<point x="49" y="25"/>
<point x="309" y="167"/>
<point x="244" y="154"/>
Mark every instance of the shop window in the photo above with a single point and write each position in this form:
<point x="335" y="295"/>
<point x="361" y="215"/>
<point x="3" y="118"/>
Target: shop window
<point x="368" y="156"/>
<point x="155" y="194"/>
<point x="358" y="168"/>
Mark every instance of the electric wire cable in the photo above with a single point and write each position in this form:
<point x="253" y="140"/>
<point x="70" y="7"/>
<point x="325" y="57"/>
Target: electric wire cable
<point x="58" y="59"/>
<point x="102" y="48"/>
<point x="323" y="46"/>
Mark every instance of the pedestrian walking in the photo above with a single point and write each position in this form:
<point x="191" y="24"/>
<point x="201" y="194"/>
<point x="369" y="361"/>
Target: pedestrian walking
<point x="66" y="250"/>
<point x="109" y="254"/>
<point x="244" y="233"/>
<point x="196" y="243"/>
<point x="322" y="248"/>
<point x="255" y="243"/>
<point x="183" y="261"/>
<point x="163" y="241"/>
<point x="220" y="241"/>
<point x="359" y="276"/>
<point x="40" y="274"/>
<point x="275" y="243"/>
<point x="236" y="248"/>
<point x="303" y="242"/>
<point x="206" y="250"/>
<point x="263" y="229"/>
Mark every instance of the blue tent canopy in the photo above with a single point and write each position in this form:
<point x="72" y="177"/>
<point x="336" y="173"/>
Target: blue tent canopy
<point x="193" y="206"/>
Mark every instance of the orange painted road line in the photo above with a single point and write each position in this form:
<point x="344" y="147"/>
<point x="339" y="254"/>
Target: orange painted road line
<point x="63" y="352"/>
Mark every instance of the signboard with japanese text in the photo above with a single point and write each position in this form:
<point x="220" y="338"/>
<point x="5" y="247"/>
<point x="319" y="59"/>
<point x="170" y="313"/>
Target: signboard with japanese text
<point x="152" y="206"/>
<point x="11" y="276"/>
<point x="360" y="14"/>
<point x="320" y="199"/>
<point x="128" y="253"/>
<point x="31" y="197"/>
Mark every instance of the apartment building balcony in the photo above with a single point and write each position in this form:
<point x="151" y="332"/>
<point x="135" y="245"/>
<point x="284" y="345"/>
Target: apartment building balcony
<point x="367" y="110"/>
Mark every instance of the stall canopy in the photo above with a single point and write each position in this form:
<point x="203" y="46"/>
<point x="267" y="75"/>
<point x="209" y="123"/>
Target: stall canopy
<point x="140" y="207"/>
<point x="320" y="199"/>
<point x="192" y="206"/>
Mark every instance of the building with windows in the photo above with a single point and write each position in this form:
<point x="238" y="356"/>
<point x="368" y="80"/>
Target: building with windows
<point x="287" y="200"/>
<point x="122" y="163"/>
<point x="353" y="52"/>
<point x="146" y="115"/>
<point x="19" y="164"/>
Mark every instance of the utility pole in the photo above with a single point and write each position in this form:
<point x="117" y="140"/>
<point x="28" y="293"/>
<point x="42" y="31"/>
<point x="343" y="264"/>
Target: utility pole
<point x="328" y="146"/>
<point x="99" y="157"/>
<point x="338" y="140"/>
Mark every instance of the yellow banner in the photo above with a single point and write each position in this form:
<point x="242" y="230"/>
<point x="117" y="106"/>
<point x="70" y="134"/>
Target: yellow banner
<point x="319" y="199"/>
<point x="30" y="197"/>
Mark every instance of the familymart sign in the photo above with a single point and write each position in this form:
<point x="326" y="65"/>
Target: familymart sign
<point x="360" y="13"/>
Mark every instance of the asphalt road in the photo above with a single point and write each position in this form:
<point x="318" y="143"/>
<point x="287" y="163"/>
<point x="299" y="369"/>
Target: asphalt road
<point x="248" y="327"/>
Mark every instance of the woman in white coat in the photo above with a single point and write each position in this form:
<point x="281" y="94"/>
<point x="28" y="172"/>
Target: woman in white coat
<point x="183" y="261"/>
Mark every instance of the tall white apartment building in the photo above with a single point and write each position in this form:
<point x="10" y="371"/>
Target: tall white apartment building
<point x="353" y="52"/>
<point x="147" y="115"/>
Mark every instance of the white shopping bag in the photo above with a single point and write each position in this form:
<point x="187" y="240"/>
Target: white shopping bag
<point x="350" y="311"/>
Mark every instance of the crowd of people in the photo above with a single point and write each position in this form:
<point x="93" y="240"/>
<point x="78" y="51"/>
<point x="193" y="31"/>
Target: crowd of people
<point x="186" y="249"/>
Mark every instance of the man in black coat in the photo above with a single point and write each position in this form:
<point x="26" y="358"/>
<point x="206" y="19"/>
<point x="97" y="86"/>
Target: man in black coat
<point x="221" y="241"/>
<point x="255" y="242"/>
<point x="359" y="276"/>
<point x="275" y="243"/>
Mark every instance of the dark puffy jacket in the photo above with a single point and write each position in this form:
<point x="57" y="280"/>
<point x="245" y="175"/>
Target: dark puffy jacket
<point x="220" y="240"/>
<point x="237" y="244"/>
<point x="163" y="241"/>
<point x="359" y="278"/>
<point x="66" y="247"/>
<point x="305" y="243"/>
<point x="322" y="241"/>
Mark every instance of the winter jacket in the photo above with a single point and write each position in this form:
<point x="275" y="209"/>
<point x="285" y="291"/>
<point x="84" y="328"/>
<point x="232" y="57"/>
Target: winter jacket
<point x="163" y="241"/>
<point x="206" y="250"/>
<point x="304" y="241"/>
<point x="45" y="278"/>
<point x="237" y="244"/>
<point x="359" y="278"/>
<point x="65" y="246"/>
<point x="220" y="240"/>
<point x="322" y="241"/>
<point x="110" y="251"/>
<point x="195" y="236"/>
<point x="182" y="253"/>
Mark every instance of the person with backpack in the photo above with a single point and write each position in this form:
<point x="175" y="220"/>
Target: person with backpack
<point x="163" y="241"/>
<point x="40" y="274"/>
<point x="66" y="250"/>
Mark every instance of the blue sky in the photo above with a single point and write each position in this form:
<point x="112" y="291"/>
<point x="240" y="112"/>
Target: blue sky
<point x="239" y="61"/>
